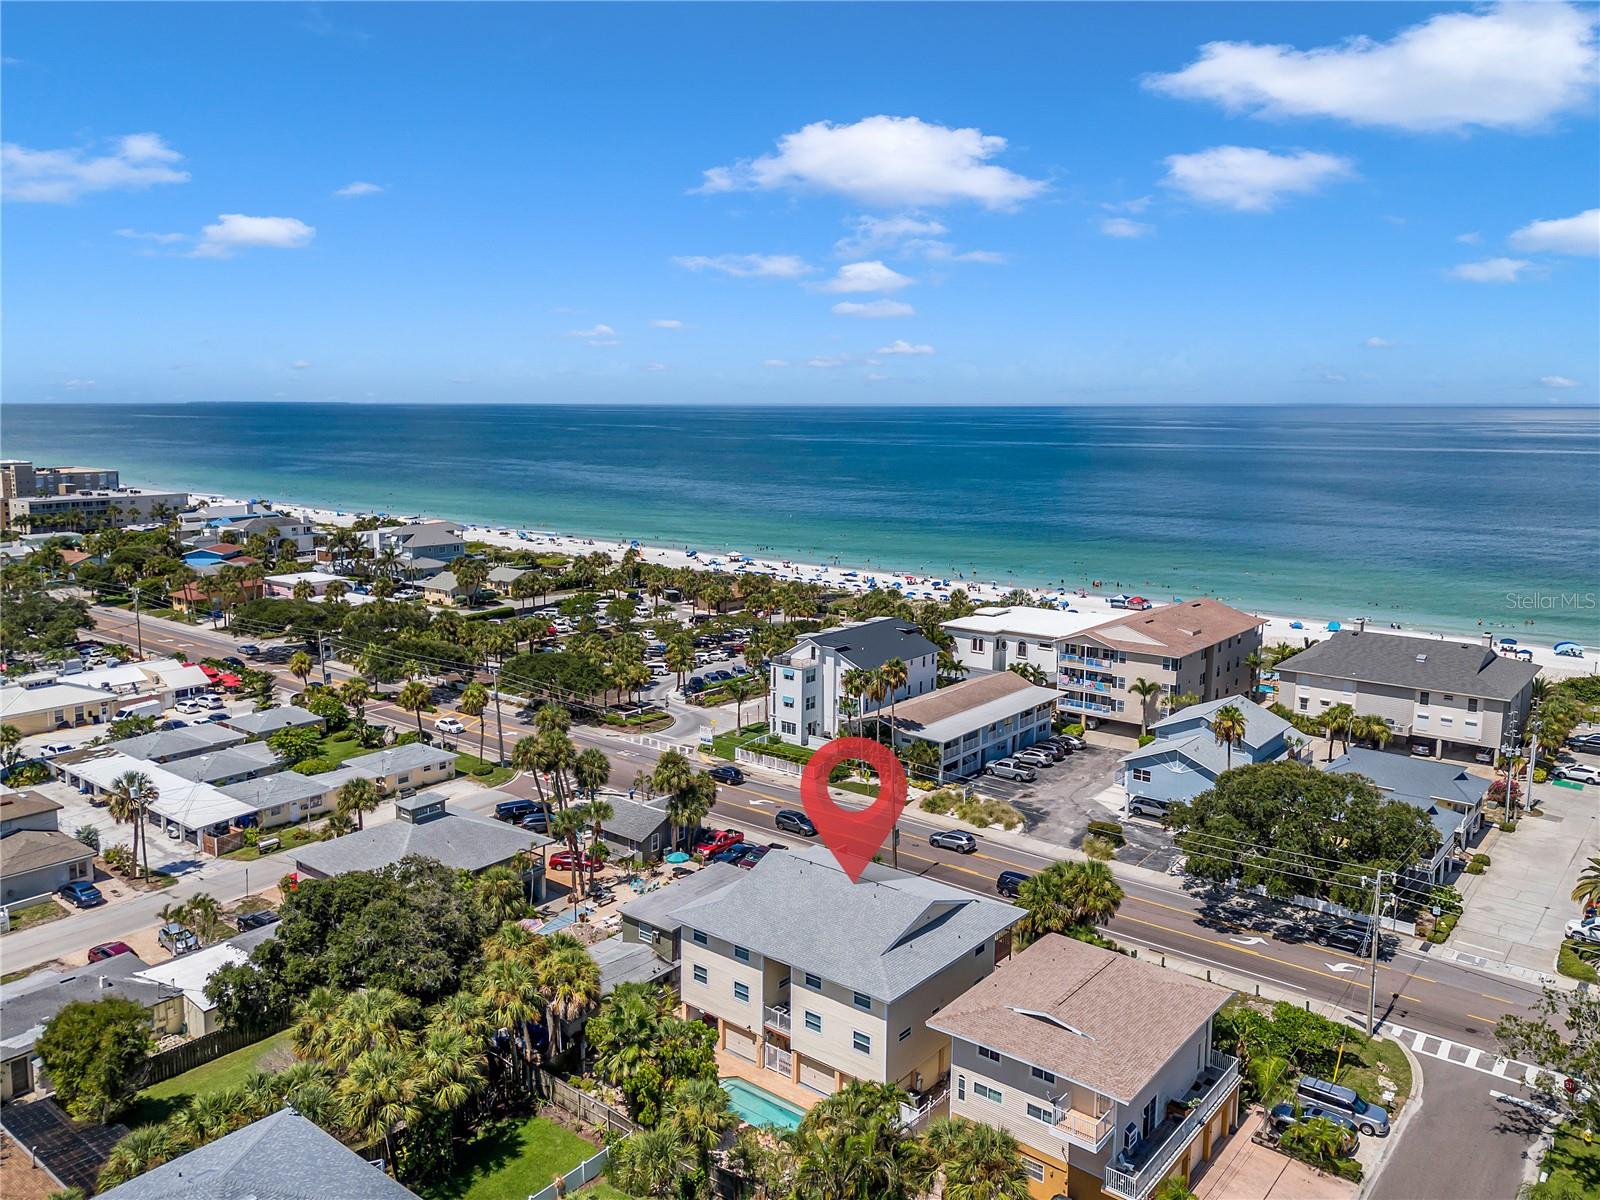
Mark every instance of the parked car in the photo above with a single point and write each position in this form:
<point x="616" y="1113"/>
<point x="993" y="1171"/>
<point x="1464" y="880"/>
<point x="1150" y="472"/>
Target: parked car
<point x="177" y="939"/>
<point x="1008" y="768"/>
<point x="1034" y="758"/>
<point x="715" y="841"/>
<point x="107" y="950"/>
<point x="81" y="894"/>
<point x="211" y="701"/>
<point x="564" y="860"/>
<point x="1579" y="773"/>
<point x="1585" y="930"/>
<point x="1335" y="1097"/>
<point x="695" y="684"/>
<point x="450" y="725"/>
<point x="513" y="810"/>
<point x="726" y="774"/>
<point x="259" y="919"/>
<point x="1149" y="806"/>
<point x="1484" y="755"/>
<point x="1284" y="1115"/>
<point x="190" y="706"/>
<point x="1009" y="883"/>
<point x="958" y="840"/>
<point x="51" y="749"/>
<point x="1344" y="937"/>
<point x="751" y="856"/>
<point x="1422" y="749"/>
<point x="249" y="649"/>
<point x="234" y="661"/>
<point x="795" y="821"/>
<point x="1071" y="740"/>
<point x="538" y="820"/>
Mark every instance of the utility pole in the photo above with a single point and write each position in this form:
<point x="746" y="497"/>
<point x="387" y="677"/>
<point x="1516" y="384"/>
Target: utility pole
<point x="1374" y="933"/>
<point x="322" y="657"/>
<point x="1510" y="753"/>
<point x="499" y="725"/>
<point x="1535" y="727"/>
<point x="138" y="626"/>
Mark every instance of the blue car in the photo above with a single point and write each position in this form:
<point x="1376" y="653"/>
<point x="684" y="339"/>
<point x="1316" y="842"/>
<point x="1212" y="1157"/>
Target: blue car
<point x="81" y="894"/>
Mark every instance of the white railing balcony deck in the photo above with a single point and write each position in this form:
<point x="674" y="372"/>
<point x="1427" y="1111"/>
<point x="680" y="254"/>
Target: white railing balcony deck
<point x="1083" y="1130"/>
<point x="776" y="1018"/>
<point x="1134" y="1176"/>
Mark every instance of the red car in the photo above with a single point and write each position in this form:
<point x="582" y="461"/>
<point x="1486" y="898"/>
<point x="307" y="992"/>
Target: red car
<point x="716" y="841"/>
<point x="563" y="860"/>
<point x="107" y="950"/>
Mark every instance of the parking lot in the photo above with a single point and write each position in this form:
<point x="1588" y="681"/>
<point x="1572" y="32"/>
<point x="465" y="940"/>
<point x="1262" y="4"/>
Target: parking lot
<point x="1061" y="802"/>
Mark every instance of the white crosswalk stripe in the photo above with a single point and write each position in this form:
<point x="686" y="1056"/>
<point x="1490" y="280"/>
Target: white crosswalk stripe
<point x="1486" y="1062"/>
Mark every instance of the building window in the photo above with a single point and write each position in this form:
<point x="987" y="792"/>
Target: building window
<point x="814" y="982"/>
<point x="985" y="1092"/>
<point x="1022" y="649"/>
<point x="979" y="949"/>
<point x="977" y="643"/>
<point x="991" y="1055"/>
<point x="701" y="976"/>
<point x="862" y="1000"/>
<point x="813" y="1022"/>
<point x="811" y="703"/>
<point x="904" y="1034"/>
<point x="1141" y="775"/>
<point x="1472" y="704"/>
<point x="1304" y="702"/>
<point x="1041" y="1073"/>
<point x="788" y="674"/>
<point x="1032" y="1168"/>
<point x="961" y="1087"/>
<point x="1040" y="1113"/>
<point x="741" y="954"/>
<point x="811" y="676"/>
<point x="787" y="727"/>
<point x="741" y="992"/>
<point x="788" y="701"/>
<point x="700" y="938"/>
<point x="647" y="935"/>
<point x="861" y="1042"/>
<point x="1422" y="699"/>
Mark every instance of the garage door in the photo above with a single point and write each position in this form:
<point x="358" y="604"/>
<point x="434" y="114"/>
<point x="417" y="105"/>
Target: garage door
<point x="816" y="1076"/>
<point x="741" y="1042"/>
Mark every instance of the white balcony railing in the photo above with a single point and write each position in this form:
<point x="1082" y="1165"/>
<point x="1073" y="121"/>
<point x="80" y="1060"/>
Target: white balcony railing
<point x="777" y="1018"/>
<point x="1084" y="1130"/>
<point x="1154" y="1157"/>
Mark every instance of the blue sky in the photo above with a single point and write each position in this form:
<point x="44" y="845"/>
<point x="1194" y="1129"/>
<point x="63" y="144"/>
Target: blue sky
<point x="763" y="203"/>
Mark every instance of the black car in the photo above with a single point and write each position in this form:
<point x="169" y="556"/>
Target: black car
<point x="726" y="774"/>
<point x="1010" y="883"/>
<point x="795" y="821"/>
<point x="257" y="920"/>
<point x="538" y="820"/>
<point x="1344" y="937"/>
<point x="696" y="684"/>
<point x="235" y="662"/>
<point x="514" y="810"/>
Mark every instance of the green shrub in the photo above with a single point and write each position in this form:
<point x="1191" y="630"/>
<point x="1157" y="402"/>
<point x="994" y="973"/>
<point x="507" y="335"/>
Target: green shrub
<point x="1475" y="867"/>
<point x="315" y="765"/>
<point x="1481" y="859"/>
<point x="1442" y="927"/>
<point x="1073" y="730"/>
<point x="1097" y="847"/>
<point x="1146" y="738"/>
<point x="941" y="801"/>
<point x="1111" y="831"/>
<point x="492" y="614"/>
<point x="1508" y="826"/>
<point x="1540" y="775"/>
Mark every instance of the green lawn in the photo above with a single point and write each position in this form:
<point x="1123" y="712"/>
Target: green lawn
<point x="289" y="836"/>
<point x="511" y="1158"/>
<point x="483" y="771"/>
<point x="1573" y="1157"/>
<point x="167" y="1097"/>
<point x="336" y="747"/>
<point x="1359" y="1069"/>
<point x="1569" y="964"/>
<point x="36" y="914"/>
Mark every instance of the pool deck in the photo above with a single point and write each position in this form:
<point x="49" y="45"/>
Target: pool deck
<point x="768" y="1081"/>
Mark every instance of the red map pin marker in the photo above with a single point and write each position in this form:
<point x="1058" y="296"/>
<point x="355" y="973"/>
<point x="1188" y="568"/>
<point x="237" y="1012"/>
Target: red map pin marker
<point x="853" y="837"/>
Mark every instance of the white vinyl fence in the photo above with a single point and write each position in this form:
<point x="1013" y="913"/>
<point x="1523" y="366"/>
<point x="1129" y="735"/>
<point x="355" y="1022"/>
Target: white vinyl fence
<point x="585" y="1172"/>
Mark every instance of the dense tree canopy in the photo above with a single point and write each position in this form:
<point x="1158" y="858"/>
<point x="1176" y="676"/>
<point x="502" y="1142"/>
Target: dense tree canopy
<point x="563" y="672"/>
<point x="93" y="1053"/>
<point x="32" y="621"/>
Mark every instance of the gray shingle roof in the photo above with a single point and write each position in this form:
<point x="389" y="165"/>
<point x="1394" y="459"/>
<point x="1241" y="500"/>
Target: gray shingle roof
<point x="872" y="643"/>
<point x="882" y="935"/>
<point x="259" y="724"/>
<point x="166" y="744"/>
<point x="1420" y="782"/>
<point x="626" y="962"/>
<point x="1200" y="745"/>
<point x="1422" y="664"/>
<point x="408" y="757"/>
<point x="464" y="843"/>
<point x="220" y="764"/>
<point x="281" y="1157"/>
<point x="283" y="787"/>
<point x="26" y="1005"/>
<point x="34" y="849"/>
<point x="658" y="909"/>
<point x="633" y="819"/>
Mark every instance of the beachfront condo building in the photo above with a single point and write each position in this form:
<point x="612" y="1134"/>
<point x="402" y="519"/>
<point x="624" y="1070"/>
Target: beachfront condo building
<point x="1100" y="1065"/>
<point x="422" y="549"/>
<point x="809" y="699"/>
<point x="83" y="510"/>
<point x="997" y="637"/>
<point x="1442" y="697"/>
<point x="1198" y="648"/>
<point x="813" y="981"/>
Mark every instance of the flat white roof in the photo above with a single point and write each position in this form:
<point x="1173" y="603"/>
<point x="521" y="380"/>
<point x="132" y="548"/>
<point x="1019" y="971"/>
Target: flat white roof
<point x="191" y="972"/>
<point x="192" y="804"/>
<point x="312" y="577"/>
<point x="19" y="701"/>
<point x="1046" y="624"/>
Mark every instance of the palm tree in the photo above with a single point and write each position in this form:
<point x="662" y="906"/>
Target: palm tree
<point x="450" y="1067"/>
<point x="371" y="1019"/>
<point x="597" y="813"/>
<point x="979" y="1162"/>
<point x="895" y="675"/>
<point x="687" y="807"/>
<point x="508" y="991"/>
<point x="1370" y="728"/>
<point x="856" y="684"/>
<point x="471" y="574"/>
<point x="1228" y="726"/>
<point x="556" y="754"/>
<point x="565" y="825"/>
<point x="1066" y="897"/>
<point x="499" y="893"/>
<point x="131" y="794"/>
<point x="1146" y="691"/>
<point x="525" y="758"/>
<point x="378" y="1095"/>
<point x="592" y="770"/>
<point x="1271" y="1079"/>
<point x="649" y="1163"/>
<point x="1173" y="1187"/>
<point x="301" y="666"/>
<point x="569" y="984"/>
<point x="474" y="700"/>
<point x="313" y="1022"/>
<point x="142" y="1150"/>
<point x="698" y="1111"/>
<point x="10" y="746"/>
<point x="552" y="718"/>
<point x="1178" y="701"/>
<point x="1587" y="891"/>
<point x="413" y="698"/>
<point x="359" y="796"/>
<point x="1336" y="721"/>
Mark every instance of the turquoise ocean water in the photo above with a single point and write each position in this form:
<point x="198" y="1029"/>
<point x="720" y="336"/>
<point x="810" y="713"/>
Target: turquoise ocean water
<point x="1439" y="517"/>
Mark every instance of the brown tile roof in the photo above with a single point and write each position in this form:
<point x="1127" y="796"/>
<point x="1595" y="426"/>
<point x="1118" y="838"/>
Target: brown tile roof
<point x="33" y="849"/>
<point x="1191" y="625"/>
<point x="1102" y="1019"/>
<point x="959" y="697"/>
<point x="73" y="557"/>
<point x="25" y="804"/>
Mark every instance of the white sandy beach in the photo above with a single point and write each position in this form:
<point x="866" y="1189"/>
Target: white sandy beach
<point x="1279" y="627"/>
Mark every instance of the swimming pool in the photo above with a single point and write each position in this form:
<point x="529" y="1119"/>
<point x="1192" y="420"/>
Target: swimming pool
<point x="759" y="1106"/>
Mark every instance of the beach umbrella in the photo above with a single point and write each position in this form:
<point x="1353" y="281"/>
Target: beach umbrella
<point x="1566" y="647"/>
<point x="1508" y="641"/>
<point x="677" y="856"/>
<point x="1333" y="627"/>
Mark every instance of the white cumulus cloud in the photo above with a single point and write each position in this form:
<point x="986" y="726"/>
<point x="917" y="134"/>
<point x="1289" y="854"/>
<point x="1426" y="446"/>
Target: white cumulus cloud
<point x="163" y="239"/>
<point x="901" y="346"/>
<point x="883" y="160"/>
<point x="300" y="364"/>
<point x="748" y="266"/>
<point x="882" y="233"/>
<point x="1492" y="270"/>
<point x="1469" y="239"/>
<point x="1558" y="381"/>
<point x="1247" y="179"/>
<point x="825" y="363"/>
<point x="1377" y="343"/>
<point x="666" y="324"/>
<point x="359" y="188"/>
<point x="1509" y="66"/>
<point x="866" y="277"/>
<point x="775" y="362"/>
<point x="235" y="231"/>
<point x="1565" y="235"/>
<point x="873" y="309"/>
<point x="1122" y="227"/>
<point x="137" y="161"/>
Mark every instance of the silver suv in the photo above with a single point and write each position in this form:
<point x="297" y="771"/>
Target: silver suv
<point x="1010" y="768"/>
<point x="1034" y="758"/>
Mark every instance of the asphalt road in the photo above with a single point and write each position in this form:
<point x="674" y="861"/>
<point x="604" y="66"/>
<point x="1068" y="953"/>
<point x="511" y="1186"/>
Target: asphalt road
<point x="1414" y="990"/>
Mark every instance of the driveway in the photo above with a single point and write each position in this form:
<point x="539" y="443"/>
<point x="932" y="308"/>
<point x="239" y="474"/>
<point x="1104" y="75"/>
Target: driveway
<point x="1245" y="1170"/>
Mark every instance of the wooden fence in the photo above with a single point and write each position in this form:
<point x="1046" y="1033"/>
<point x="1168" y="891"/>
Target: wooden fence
<point x="586" y="1108"/>
<point x="192" y="1054"/>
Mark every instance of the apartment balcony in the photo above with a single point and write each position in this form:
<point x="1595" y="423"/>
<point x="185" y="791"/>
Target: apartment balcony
<point x="1133" y="1175"/>
<point x="776" y="1017"/>
<point x="1089" y="1132"/>
<point x="1087" y="683"/>
<point x="1079" y="704"/>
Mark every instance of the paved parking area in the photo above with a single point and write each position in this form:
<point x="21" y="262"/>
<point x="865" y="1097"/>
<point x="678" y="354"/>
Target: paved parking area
<point x="1059" y="805"/>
